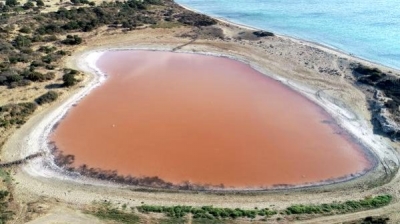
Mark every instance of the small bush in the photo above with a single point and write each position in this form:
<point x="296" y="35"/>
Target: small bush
<point x="40" y="77"/>
<point x="39" y="3"/>
<point x="22" y="41"/>
<point x="69" y="79"/>
<point x="48" y="97"/>
<point x="72" y="40"/>
<point x="25" y="29"/>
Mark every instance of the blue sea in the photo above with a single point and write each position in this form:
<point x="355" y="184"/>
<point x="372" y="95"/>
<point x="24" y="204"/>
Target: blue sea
<point x="369" y="29"/>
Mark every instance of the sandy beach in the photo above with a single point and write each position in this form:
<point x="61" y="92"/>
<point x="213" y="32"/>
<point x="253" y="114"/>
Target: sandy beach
<point x="303" y="66"/>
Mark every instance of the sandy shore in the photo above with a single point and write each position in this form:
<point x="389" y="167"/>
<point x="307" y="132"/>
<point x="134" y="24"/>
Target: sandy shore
<point x="337" y="95"/>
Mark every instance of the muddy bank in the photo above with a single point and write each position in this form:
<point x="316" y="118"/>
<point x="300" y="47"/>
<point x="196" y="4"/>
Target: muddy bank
<point x="149" y="183"/>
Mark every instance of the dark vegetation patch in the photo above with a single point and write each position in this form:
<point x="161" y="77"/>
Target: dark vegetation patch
<point x="15" y="114"/>
<point x="6" y="197"/>
<point x="340" y="207"/>
<point x="5" y="214"/>
<point x="195" y="19"/>
<point x="48" y="97"/>
<point x="69" y="78"/>
<point x="40" y="77"/>
<point x="107" y="212"/>
<point x="206" y="212"/>
<point x="176" y="214"/>
<point x="253" y="35"/>
<point x="149" y="183"/>
<point x="370" y="220"/>
<point x="72" y="40"/>
<point x="155" y="183"/>
<point x="66" y="162"/>
<point x="263" y="34"/>
<point x="388" y="83"/>
<point x="210" y="214"/>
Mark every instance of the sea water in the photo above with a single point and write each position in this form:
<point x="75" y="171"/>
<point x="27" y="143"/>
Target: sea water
<point x="369" y="29"/>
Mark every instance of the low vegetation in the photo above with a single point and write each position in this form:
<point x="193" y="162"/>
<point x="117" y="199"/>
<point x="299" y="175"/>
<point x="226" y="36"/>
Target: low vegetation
<point x="15" y="114"/>
<point x="69" y="78"/>
<point x="107" y="212"/>
<point x="210" y="214"/>
<point x="5" y="197"/>
<point x="5" y="214"/>
<point x="207" y="212"/>
<point x="341" y="207"/>
<point x="72" y="40"/>
<point x="48" y="97"/>
<point x="263" y="34"/>
<point x="176" y="214"/>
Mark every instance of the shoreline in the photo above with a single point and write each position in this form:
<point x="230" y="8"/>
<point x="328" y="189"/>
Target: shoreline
<point x="310" y="43"/>
<point x="48" y="169"/>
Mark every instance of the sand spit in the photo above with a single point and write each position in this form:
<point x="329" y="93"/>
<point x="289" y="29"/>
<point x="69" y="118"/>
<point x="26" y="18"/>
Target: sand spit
<point x="40" y="178"/>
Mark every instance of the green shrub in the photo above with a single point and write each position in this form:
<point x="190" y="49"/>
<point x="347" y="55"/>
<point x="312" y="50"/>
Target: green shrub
<point x="40" y="77"/>
<point x="28" y="5"/>
<point x="25" y="29"/>
<point x="47" y="49"/>
<point x="36" y="64"/>
<point x="48" y="97"/>
<point x="206" y="212"/>
<point x="344" y="207"/>
<point x="109" y="213"/>
<point x="12" y="3"/>
<point x="69" y="79"/>
<point x="39" y="3"/>
<point x="22" y="41"/>
<point x="5" y="214"/>
<point x="72" y="40"/>
<point x="16" y="114"/>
